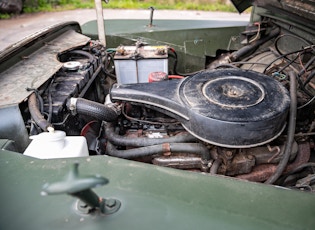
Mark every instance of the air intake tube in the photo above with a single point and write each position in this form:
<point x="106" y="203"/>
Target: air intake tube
<point x="108" y="112"/>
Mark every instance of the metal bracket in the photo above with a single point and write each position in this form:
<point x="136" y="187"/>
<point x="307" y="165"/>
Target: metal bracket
<point x="80" y="187"/>
<point x="151" y="8"/>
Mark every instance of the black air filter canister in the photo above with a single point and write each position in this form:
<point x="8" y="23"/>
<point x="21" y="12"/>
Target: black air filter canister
<point x="229" y="108"/>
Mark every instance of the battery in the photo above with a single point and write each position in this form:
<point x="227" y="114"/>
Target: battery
<point x="134" y="64"/>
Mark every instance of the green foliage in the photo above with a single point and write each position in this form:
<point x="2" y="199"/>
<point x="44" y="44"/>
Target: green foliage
<point x="57" y="5"/>
<point x="5" y="16"/>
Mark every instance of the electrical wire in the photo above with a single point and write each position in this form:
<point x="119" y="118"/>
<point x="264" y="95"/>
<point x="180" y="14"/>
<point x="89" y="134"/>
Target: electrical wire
<point x="300" y="167"/>
<point x="175" y="77"/>
<point x="301" y="63"/>
<point x="257" y="34"/>
<point x="294" y="36"/>
<point x="175" y="65"/>
<point x="307" y="65"/>
<point x="309" y="78"/>
<point x="225" y="65"/>
<point x="50" y="102"/>
<point x="288" y="64"/>
<point x="307" y="103"/>
<point x="286" y="54"/>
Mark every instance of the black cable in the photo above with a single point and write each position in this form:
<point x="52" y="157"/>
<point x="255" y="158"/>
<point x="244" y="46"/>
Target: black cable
<point x="309" y="78"/>
<point x="291" y="131"/>
<point x="308" y="64"/>
<point x="244" y="63"/>
<point x="300" y="167"/>
<point x="282" y="56"/>
<point x="237" y="55"/>
<point x="175" y="66"/>
<point x="290" y="35"/>
<point x="175" y="60"/>
<point x="110" y="75"/>
<point x="307" y="103"/>
<point x="50" y="102"/>
<point x="268" y="53"/>
<point x="226" y="66"/>
<point x="265" y="50"/>
<point x="288" y="64"/>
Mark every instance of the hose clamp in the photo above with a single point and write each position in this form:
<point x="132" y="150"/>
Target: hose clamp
<point x="73" y="105"/>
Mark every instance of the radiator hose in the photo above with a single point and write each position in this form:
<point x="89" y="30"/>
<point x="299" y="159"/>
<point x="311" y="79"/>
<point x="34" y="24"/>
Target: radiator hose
<point x="93" y="109"/>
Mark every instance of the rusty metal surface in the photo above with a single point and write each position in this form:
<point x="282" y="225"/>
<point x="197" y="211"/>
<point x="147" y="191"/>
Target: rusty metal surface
<point x="34" y="70"/>
<point x="262" y="172"/>
<point x="179" y="161"/>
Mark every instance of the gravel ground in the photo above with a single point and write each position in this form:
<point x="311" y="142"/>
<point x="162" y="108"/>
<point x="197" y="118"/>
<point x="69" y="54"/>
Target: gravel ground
<point x="14" y="29"/>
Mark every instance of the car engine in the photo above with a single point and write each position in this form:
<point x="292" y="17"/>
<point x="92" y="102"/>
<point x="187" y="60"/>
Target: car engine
<point x="249" y="114"/>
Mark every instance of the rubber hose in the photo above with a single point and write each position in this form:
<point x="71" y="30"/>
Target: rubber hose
<point x="36" y="114"/>
<point x="96" y="110"/>
<point x="195" y="148"/>
<point x="83" y="53"/>
<point x="143" y="141"/>
<point x="216" y="164"/>
<point x="249" y="48"/>
<point x="291" y="131"/>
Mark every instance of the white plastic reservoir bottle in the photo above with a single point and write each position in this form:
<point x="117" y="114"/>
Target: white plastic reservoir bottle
<point x="50" y="145"/>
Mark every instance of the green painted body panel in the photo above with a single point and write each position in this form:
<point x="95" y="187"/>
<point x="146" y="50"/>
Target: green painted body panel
<point x="192" y="39"/>
<point x="152" y="198"/>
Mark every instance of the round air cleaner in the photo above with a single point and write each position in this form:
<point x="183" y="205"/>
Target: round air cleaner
<point x="235" y="108"/>
<point x="230" y="108"/>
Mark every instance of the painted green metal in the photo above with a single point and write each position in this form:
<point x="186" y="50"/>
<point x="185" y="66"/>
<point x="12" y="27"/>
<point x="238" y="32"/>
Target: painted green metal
<point x="151" y="197"/>
<point x="192" y="39"/>
<point x="81" y="187"/>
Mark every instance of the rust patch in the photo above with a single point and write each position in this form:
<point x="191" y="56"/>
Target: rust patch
<point x="262" y="172"/>
<point x="166" y="149"/>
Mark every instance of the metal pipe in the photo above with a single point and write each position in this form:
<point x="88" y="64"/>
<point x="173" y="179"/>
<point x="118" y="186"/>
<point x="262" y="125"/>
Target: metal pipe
<point x="151" y="8"/>
<point x="100" y="22"/>
<point x="144" y="141"/>
<point x="165" y="148"/>
<point x="182" y="161"/>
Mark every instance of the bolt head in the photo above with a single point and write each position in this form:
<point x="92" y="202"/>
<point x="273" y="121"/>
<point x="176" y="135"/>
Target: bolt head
<point x="110" y="203"/>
